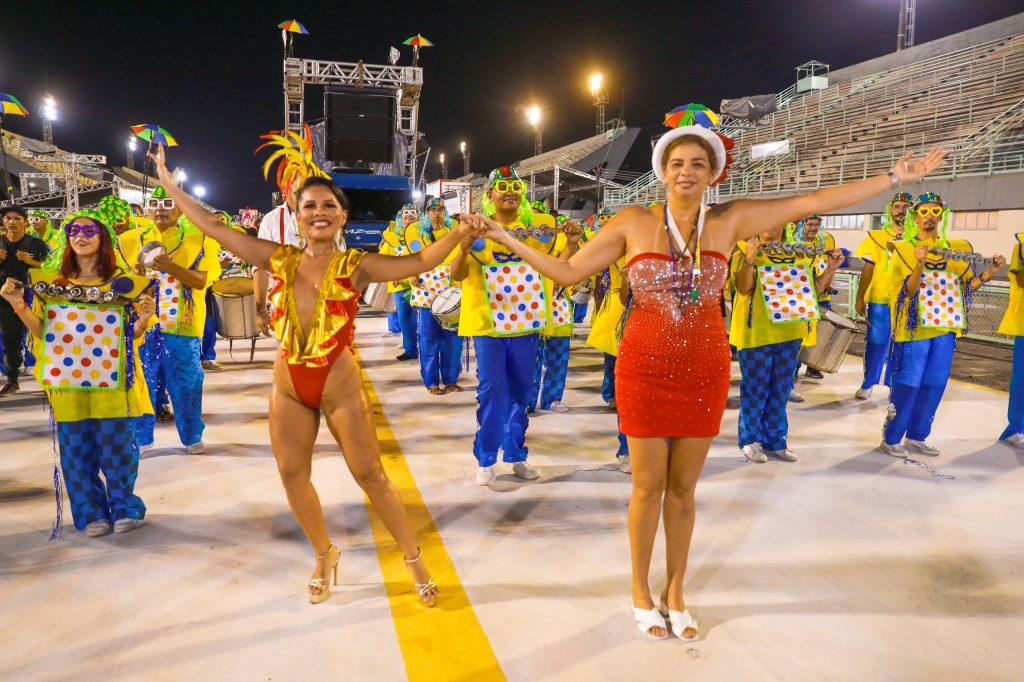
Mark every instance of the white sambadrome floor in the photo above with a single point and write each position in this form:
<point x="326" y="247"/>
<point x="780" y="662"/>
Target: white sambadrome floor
<point x="847" y="565"/>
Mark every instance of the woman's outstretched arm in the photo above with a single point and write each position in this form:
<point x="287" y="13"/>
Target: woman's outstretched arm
<point x="380" y="268"/>
<point x="747" y="217"/>
<point x="608" y="246"/>
<point x="250" y="249"/>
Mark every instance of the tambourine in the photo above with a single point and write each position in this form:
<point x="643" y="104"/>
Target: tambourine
<point x="543" y="234"/>
<point x="792" y="249"/>
<point x="975" y="261"/>
<point x="120" y="287"/>
<point x="149" y="253"/>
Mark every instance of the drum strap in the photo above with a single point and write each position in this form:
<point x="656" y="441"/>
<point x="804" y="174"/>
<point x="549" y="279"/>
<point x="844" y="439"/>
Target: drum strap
<point x="281" y="224"/>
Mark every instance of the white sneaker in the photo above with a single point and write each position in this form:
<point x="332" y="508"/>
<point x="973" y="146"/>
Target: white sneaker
<point x="557" y="406"/>
<point x="146" y="448"/>
<point x="196" y="448"/>
<point x="1016" y="440"/>
<point x="795" y="397"/>
<point x="863" y="393"/>
<point x="786" y="455"/>
<point x="896" y="450"/>
<point x="755" y="453"/>
<point x="923" y="447"/>
<point x="126" y="525"/>
<point x="486" y="475"/>
<point x="624" y="466"/>
<point x="98" y="528"/>
<point x="212" y="365"/>
<point x="524" y="472"/>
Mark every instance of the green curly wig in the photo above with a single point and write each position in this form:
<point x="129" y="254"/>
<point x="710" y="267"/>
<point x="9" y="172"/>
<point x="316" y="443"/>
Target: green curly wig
<point x="50" y="231"/>
<point x="56" y="256"/>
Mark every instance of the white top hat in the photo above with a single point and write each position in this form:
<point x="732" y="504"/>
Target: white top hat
<point x="712" y="138"/>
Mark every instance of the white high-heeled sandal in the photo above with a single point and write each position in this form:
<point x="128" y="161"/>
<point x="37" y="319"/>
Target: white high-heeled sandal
<point x="681" y="622"/>
<point x="647" y="619"/>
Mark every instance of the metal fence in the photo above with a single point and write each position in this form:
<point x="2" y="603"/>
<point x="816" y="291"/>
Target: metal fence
<point x="990" y="304"/>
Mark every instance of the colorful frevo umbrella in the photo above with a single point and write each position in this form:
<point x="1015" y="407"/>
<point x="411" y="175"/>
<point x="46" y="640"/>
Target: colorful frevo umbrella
<point x="292" y="26"/>
<point x="418" y="41"/>
<point x="690" y="115"/>
<point x="9" y="104"/>
<point x="154" y="134"/>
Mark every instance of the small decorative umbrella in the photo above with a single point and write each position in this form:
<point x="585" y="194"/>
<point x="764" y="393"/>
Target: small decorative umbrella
<point x="292" y="26"/>
<point x="416" y="42"/>
<point x="692" y="114"/>
<point x="9" y="104"/>
<point x="154" y="134"/>
<point x="288" y="29"/>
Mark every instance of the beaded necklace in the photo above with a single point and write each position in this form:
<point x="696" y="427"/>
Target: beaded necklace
<point x="676" y="242"/>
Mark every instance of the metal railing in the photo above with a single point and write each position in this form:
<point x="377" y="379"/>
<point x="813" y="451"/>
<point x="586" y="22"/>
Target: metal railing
<point x="986" y="313"/>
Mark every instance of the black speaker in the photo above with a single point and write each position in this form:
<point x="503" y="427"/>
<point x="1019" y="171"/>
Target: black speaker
<point x="360" y="125"/>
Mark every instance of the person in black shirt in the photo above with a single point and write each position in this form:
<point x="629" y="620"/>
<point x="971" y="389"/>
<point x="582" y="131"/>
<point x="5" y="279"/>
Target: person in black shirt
<point x="18" y="252"/>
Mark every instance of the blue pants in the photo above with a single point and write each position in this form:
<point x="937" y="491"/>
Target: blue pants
<point x="1015" y="409"/>
<point x="918" y="382"/>
<point x="504" y="371"/>
<point x="89" y="447"/>
<point x="174" y="361"/>
<point x="440" y="351"/>
<point x="579" y="312"/>
<point x="550" y="368"/>
<point x="407" y="320"/>
<point x="209" y="347"/>
<point x="393" y="325"/>
<point x="877" y="345"/>
<point x="767" y="379"/>
<point x="608" y="384"/>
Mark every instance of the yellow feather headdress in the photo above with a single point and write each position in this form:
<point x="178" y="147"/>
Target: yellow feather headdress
<point x="294" y="156"/>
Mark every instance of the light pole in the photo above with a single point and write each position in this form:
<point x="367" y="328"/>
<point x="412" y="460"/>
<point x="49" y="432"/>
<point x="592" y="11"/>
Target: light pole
<point x="49" y="115"/>
<point x="132" y="146"/>
<point x="905" y="31"/>
<point x="600" y="95"/>
<point x="180" y="177"/>
<point x="444" y="166"/>
<point x="465" y="158"/>
<point x="533" y="116"/>
<point x="199" y="191"/>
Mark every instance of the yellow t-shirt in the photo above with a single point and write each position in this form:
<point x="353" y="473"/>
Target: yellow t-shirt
<point x="550" y="288"/>
<point x="475" y="315"/>
<point x="1013" y="320"/>
<point x="762" y="331"/>
<point x="606" y="318"/>
<point x="874" y="249"/>
<point x="417" y="239"/>
<point x="901" y="263"/>
<point x="183" y="248"/>
<point x="393" y="244"/>
<point x="77" y="404"/>
<point x="821" y="262"/>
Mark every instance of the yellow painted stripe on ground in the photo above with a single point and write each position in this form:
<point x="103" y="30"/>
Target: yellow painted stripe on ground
<point x="447" y="641"/>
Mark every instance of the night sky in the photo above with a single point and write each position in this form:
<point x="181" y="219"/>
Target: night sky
<point x="211" y="75"/>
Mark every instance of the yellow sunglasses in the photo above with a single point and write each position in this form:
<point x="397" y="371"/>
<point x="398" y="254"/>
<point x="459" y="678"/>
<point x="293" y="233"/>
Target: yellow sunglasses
<point x="934" y="210"/>
<point x="503" y="186"/>
<point x="603" y="218"/>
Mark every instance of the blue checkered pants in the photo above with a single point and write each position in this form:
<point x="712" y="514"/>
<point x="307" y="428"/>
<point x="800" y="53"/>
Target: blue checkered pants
<point x="767" y="379"/>
<point x="173" y="361"/>
<point x="549" y="372"/>
<point x="92" y="446"/>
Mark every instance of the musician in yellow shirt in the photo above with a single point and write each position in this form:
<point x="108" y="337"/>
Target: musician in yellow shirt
<point x="1013" y="325"/>
<point x="170" y="354"/>
<point x="440" y="349"/>
<point x="394" y="243"/>
<point x="929" y="295"/>
<point x="873" y="292"/>
<point x="775" y="302"/>
<point x="505" y="306"/>
<point x="808" y="231"/>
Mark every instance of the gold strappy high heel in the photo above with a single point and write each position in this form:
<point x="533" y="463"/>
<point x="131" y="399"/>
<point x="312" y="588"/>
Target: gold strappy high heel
<point x="321" y="583"/>
<point x="423" y="588"/>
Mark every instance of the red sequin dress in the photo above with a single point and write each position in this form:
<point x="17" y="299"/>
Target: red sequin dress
<point x="672" y="375"/>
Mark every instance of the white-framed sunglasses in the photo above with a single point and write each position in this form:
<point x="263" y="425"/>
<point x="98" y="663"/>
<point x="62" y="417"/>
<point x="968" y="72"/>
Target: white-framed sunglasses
<point x="35" y="220"/>
<point x="166" y="203"/>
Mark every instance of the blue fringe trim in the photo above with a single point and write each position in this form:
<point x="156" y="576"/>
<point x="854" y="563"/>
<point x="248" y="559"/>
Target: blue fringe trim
<point x="620" y="328"/>
<point x="58" y="487"/>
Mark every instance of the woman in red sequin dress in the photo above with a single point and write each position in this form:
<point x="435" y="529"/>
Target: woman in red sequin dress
<point x="672" y="377"/>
